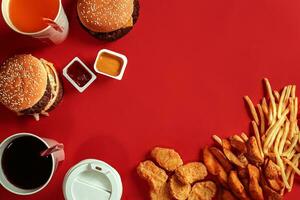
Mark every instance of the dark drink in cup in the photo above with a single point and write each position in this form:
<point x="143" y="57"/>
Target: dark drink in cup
<point x="23" y="165"/>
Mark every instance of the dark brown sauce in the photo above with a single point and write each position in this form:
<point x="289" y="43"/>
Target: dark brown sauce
<point x="22" y="164"/>
<point x="79" y="74"/>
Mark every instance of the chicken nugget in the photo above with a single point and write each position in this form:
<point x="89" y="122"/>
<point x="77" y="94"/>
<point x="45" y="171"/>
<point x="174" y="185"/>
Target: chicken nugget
<point x="226" y="195"/>
<point x="236" y="186"/>
<point x="162" y="193"/>
<point x="233" y="158"/>
<point x="178" y="190"/>
<point x="154" y="175"/>
<point x="253" y="152"/>
<point x="168" y="159"/>
<point x="238" y="145"/>
<point x="205" y="190"/>
<point x="271" y="170"/>
<point x="271" y="194"/>
<point x="214" y="167"/>
<point x="191" y="172"/>
<point x="254" y="188"/>
<point x="221" y="158"/>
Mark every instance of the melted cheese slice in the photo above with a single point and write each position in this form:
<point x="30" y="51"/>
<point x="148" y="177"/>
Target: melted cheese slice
<point x="129" y="23"/>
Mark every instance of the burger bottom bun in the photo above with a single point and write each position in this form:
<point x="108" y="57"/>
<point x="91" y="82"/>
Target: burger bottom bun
<point x="117" y="34"/>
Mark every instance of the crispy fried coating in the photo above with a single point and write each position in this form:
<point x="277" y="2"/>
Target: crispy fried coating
<point x="219" y="155"/>
<point x="162" y="193"/>
<point x="226" y="144"/>
<point x="154" y="175"/>
<point x="191" y="172"/>
<point x="238" y="145"/>
<point x="236" y="186"/>
<point x="178" y="190"/>
<point x="168" y="159"/>
<point x="214" y="167"/>
<point x="253" y="152"/>
<point x="276" y="184"/>
<point x="226" y="195"/>
<point x="233" y="158"/>
<point x="203" y="191"/>
<point x="254" y="188"/>
<point x="271" y="170"/>
<point x="271" y="194"/>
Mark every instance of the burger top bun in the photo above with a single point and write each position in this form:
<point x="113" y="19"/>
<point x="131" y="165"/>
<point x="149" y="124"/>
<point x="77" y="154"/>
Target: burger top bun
<point x="104" y="15"/>
<point x="23" y="82"/>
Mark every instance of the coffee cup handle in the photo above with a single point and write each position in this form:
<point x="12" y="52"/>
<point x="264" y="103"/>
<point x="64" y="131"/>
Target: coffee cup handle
<point x="53" y="24"/>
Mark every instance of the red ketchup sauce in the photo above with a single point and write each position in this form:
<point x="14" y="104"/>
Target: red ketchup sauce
<point x="79" y="74"/>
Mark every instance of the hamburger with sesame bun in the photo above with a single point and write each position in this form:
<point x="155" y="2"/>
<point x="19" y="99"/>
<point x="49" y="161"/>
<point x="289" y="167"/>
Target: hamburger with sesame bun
<point x="108" y="20"/>
<point x="29" y="86"/>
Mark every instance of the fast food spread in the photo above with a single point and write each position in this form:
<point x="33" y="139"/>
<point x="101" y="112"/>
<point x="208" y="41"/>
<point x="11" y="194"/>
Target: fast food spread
<point x="261" y="165"/>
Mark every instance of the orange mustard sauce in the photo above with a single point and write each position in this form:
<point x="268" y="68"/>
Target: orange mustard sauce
<point x="109" y="64"/>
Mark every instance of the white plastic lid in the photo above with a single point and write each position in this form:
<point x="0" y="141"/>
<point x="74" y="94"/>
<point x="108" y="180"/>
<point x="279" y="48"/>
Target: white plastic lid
<point x="92" y="180"/>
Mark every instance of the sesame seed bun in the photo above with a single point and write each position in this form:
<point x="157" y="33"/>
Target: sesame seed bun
<point x="29" y="85"/>
<point x="119" y="33"/>
<point x="104" y="15"/>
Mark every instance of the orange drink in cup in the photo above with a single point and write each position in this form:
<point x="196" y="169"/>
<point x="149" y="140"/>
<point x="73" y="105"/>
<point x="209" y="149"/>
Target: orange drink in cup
<point x="43" y="19"/>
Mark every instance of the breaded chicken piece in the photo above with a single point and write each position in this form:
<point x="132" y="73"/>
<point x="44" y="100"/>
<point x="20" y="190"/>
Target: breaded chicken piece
<point x="205" y="190"/>
<point x="168" y="159"/>
<point x="219" y="155"/>
<point x="178" y="190"/>
<point x="214" y="167"/>
<point x="226" y="195"/>
<point x="162" y="193"/>
<point x="253" y="152"/>
<point x="254" y="188"/>
<point x="236" y="186"/>
<point x="191" y="172"/>
<point x="154" y="175"/>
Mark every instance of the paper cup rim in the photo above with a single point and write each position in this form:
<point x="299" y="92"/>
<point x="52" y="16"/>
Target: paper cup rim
<point x="12" y="26"/>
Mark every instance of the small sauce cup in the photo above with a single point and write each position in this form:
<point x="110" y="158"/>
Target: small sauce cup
<point x="110" y="63"/>
<point x="78" y="74"/>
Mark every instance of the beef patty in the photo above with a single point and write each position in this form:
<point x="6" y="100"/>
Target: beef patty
<point x="43" y="102"/>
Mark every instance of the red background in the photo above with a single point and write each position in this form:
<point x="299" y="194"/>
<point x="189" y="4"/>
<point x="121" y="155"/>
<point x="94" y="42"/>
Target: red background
<point x="190" y="64"/>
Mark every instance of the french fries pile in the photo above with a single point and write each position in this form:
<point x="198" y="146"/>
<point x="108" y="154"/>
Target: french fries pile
<point x="264" y="165"/>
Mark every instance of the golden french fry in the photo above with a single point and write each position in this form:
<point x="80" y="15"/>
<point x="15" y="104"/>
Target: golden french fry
<point x="295" y="168"/>
<point x="272" y="99"/>
<point x="280" y="163"/>
<point x="245" y="137"/>
<point x="292" y="146"/>
<point x="265" y="107"/>
<point x="272" y="132"/>
<point x="281" y="101"/>
<point x="277" y="95"/>
<point x="252" y="109"/>
<point x="293" y="91"/>
<point x="258" y="138"/>
<point x="262" y="119"/>
<point x="217" y="139"/>
<point x="284" y="136"/>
